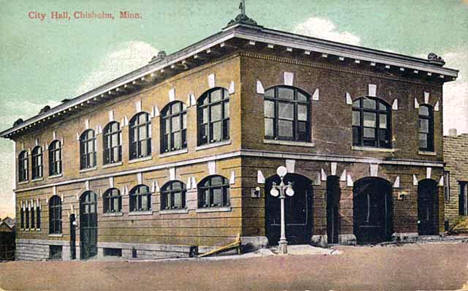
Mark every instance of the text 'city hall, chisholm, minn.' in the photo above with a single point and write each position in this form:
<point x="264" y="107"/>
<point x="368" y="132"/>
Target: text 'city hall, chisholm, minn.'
<point x="66" y="15"/>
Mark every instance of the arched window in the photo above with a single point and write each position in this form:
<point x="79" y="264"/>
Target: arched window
<point x="173" y="195"/>
<point x="213" y="191"/>
<point x="173" y="127"/>
<point x="23" y="166"/>
<point x="112" y="143"/>
<point x="371" y="123"/>
<point x="287" y="114"/>
<point x="37" y="162"/>
<point x="140" y="198"/>
<point x="426" y="128"/>
<point x="55" y="158"/>
<point x="55" y="215"/>
<point x="213" y="116"/>
<point x="140" y="136"/>
<point x="112" y="201"/>
<point x="87" y="149"/>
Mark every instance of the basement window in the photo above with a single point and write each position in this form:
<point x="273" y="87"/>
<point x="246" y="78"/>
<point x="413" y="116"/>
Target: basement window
<point x="55" y="252"/>
<point x="112" y="252"/>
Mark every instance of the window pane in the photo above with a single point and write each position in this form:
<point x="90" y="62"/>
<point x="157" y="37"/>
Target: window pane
<point x="369" y="132"/>
<point x="205" y="115"/>
<point x="382" y="106"/>
<point x="226" y="109"/>
<point x="424" y="125"/>
<point x="357" y="103"/>
<point x="270" y="93"/>
<point x="382" y="120"/>
<point x="269" y="108"/>
<point x="184" y="120"/>
<point x="216" y="95"/>
<point x="176" y="123"/>
<point x="286" y="110"/>
<point x="285" y="128"/>
<point x="167" y="125"/>
<point x="368" y="103"/>
<point x="217" y="130"/>
<point x="369" y="119"/>
<point x="177" y="140"/>
<point x="356" y="118"/>
<point x="115" y="139"/>
<point x="285" y="93"/>
<point x="423" y="140"/>
<point x="142" y="132"/>
<point x="216" y="113"/>
<point x="178" y="199"/>
<point x="301" y="97"/>
<point x="218" y="196"/>
<point x="356" y="135"/>
<point x="302" y="112"/>
<point x="269" y="127"/>
<point x="423" y="110"/>
<point x="175" y="108"/>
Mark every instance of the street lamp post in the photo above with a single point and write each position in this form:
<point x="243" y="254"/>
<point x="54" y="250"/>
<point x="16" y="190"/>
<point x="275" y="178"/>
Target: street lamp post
<point x="281" y="191"/>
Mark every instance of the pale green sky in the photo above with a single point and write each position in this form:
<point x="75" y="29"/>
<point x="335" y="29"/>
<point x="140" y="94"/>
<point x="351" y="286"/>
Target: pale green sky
<point x="43" y="62"/>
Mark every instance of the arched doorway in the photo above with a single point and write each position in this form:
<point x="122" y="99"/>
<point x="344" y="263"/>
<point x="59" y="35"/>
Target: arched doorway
<point x="88" y="224"/>
<point x="428" y="205"/>
<point x="372" y="210"/>
<point x="333" y="206"/>
<point x="298" y="211"/>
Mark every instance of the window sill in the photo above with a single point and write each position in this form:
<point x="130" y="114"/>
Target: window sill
<point x="56" y="235"/>
<point x="140" y="159"/>
<point x="173" y="211"/>
<point x="173" y="153"/>
<point x="23" y="182"/>
<point x="136" y="213"/>
<point x="56" y="176"/>
<point x="88" y="170"/>
<point x="113" y="214"/>
<point x="425" y="153"/>
<point x="372" y="149"/>
<point x="112" y="165"/>
<point x="37" y="179"/>
<point x="213" y="145"/>
<point x="213" y="209"/>
<point x="289" y="143"/>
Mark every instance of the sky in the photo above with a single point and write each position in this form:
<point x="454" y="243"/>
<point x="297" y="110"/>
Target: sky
<point x="45" y="61"/>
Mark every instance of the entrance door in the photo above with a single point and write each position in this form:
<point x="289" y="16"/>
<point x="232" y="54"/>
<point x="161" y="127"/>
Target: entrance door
<point x="428" y="204"/>
<point x="72" y="237"/>
<point x="88" y="224"/>
<point x="333" y="206"/>
<point x="298" y="211"/>
<point x="372" y="210"/>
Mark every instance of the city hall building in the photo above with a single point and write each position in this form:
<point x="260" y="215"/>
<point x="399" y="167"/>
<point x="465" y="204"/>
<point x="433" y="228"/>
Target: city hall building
<point x="181" y="154"/>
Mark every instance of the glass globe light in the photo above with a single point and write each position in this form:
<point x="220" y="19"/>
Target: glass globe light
<point x="289" y="190"/>
<point x="274" y="192"/>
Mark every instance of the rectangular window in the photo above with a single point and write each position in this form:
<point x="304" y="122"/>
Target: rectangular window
<point x="447" y="186"/>
<point x="463" y="198"/>
<point x="55" y="252"/>
<point x="27" y="218"/>
<point x="112" y="252"/>
<point x="38" y="217"/>
<point x="22" y="218"/>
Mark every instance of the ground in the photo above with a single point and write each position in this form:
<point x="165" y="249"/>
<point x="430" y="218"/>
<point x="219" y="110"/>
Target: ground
<point x="422" y="266"/>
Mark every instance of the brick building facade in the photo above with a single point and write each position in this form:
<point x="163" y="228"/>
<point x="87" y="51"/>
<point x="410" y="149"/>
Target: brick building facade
<point x="183" y="152"/>
<point x="456" y="166"/>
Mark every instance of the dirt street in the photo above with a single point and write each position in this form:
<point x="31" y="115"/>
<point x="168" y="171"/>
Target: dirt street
<point x="429" y="266"/>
